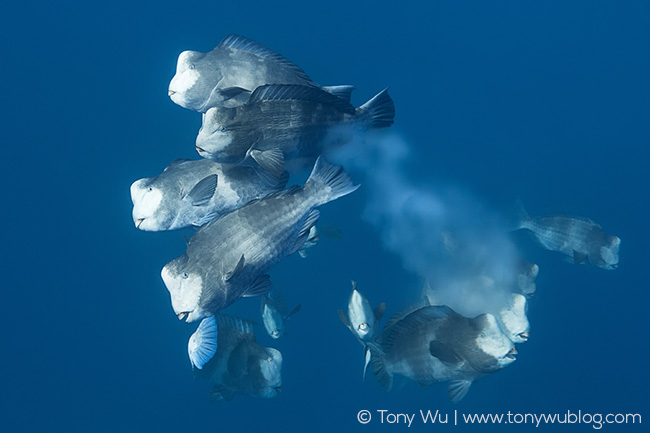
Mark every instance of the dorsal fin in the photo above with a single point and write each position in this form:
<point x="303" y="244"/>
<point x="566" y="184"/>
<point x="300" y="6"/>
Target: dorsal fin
<point x="293" y="92"/>
<point x="241" y="43"/>
<point x="237" y="323"/>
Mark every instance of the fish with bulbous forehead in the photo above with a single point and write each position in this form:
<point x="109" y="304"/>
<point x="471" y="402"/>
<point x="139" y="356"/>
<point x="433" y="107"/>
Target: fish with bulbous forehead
<point x="192" y="193"/>
<point x="435" y="344"/>
<point x="226" y="76"/>
<point x="579" y="238"/>
<point x="238" y="364"/>
<point x="228" y="258"/>
<point x="287" y="125"/>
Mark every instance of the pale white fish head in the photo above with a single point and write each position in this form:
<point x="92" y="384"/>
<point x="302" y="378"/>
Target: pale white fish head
<point x="493" y="342"/>
<point x="187" y="87"/>
<point x="271" y="368"/>
<point x="147" y="200"/>
<point x="513" y="319"/>
<point x="609" y="253"/>
<point x="185" y="289"/>
<point x="361" y="316"/>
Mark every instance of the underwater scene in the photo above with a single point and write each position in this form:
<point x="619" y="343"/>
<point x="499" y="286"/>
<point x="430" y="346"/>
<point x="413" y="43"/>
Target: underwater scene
<point x="352" y="216"/>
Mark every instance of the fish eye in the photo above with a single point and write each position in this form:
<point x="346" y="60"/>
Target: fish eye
<point x="363" y="326"/>
<point x="150" y="189"/>
<point x="185" y="275"/>
<point x="223" y="128"/>
<point x="275" y="332"/>
<point x="191" y="66"/>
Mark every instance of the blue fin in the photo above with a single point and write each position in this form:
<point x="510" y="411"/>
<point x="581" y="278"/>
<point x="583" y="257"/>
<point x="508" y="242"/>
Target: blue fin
<point x="344" y="318"/>
<point x="368" y="356"/>
<point x="203" y="191"/>
<point x="271" y="160"/>
<point x="379" y="368"/>
<point x="260" y="286"/>
<point x="518" y="216"/>
<point x="203" y="343"/>
<point x="328" y="182"/>
<point x="236" y="271"/>
<point x="380" y="110"/>
<point x="457" y="389"/>
<point x="207" y="218"/>
<point x="310" y="221"/>
<point x="344" y="92"/>
<point x="235" y="42"/>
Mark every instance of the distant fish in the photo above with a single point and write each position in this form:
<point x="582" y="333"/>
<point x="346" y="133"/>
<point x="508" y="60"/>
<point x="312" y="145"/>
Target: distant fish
<point x="287" y="124"/>
<point x="275" y="314"/>
<point x="581" y="239"/>
<point x="226" y="76"/>
<point x="238" y="365"/>
<point x="192" y="193"/>
<point x="362" y="320"/>
<point x="330" y="231"/>
<point x="228" y="258"/>
<point x="435" y="344"/>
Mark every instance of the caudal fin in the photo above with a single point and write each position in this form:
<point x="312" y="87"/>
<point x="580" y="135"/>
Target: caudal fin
<point x="328" y="182"/>
<point x="380" y="110"/>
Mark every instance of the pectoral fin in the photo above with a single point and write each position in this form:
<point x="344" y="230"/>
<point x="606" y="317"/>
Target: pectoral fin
<point x="260" y="286"/>
<point x="271" y="160"/>
<point x="457" y="389"/>
<point x="579" y="257"/>
<point x="203" y="191"/>
<point x="234" y="92"/>
<point x="379" y="311"/>
<point x="238" y="268"/>
<point x="443" y="353"/>
<point x="343" y="318"/>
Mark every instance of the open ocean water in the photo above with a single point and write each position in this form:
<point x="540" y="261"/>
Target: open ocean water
<point x="543" y="101"/>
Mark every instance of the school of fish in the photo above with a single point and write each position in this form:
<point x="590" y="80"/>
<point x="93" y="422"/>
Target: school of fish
<point x="263" y="118"/>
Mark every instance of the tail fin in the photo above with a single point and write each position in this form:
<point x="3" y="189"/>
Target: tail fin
<point x="380" y="110"/>
<point x="379" y="368"/>
<point x="344" y="92"/>
<point x="328" y="182"/>
<point x="519" y="218"/>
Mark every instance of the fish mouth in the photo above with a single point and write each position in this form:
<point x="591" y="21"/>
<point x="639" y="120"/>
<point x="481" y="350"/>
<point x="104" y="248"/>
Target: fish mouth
<point x="524" y="335"/>
<point x="277" y="388"/>
<point x="512" y="353"/>
<point x="138" y="222"/>
<point x="199" y="149"/>
<point x="182" y="315"/>
<point x="170" y="92"/>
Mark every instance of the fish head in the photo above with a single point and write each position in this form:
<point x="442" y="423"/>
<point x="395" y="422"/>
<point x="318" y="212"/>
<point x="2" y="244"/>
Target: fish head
<point x="609" y="253"/>
<point x="513" y="319"/>
<point x="497" y="349"/>
<point x="194" y="80"/>
<point x="361" y="316"/>
<point x="185" y="288"/>
<point x="271" y="373"/>
<point x="149" y="205"/>
<point x="215" y="135"/>
<point x="273" y="321"/>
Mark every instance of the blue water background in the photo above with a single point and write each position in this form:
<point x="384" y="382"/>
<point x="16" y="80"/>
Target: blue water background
<point x="547" y="101"/>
